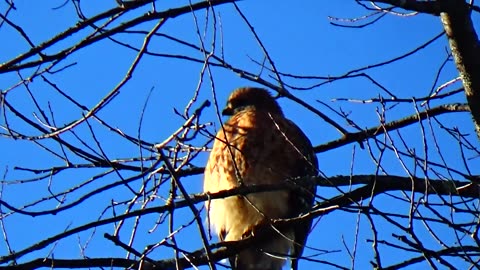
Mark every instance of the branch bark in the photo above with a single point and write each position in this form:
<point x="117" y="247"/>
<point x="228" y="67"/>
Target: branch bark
<point x="372" y="185"/>
<point x="394" y="125"/>
<point x="465" y="48"/>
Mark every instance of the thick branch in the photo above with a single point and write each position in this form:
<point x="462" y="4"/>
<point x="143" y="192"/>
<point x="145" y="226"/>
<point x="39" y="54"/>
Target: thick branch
<point x="394" y="125"/>
<point x="466" y="52"/>
<point x="381" y="184"/>
<point x="429" y="7"/>
<point x="374" y="185"/>
<point x="15" y="64"/>
<point x="385" y="183"/>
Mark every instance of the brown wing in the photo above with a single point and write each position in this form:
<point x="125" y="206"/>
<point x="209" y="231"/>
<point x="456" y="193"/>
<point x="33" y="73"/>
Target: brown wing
<point x="303" y="201"/>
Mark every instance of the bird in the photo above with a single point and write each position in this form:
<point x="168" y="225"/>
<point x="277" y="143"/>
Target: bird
<point x="257" y="145"/>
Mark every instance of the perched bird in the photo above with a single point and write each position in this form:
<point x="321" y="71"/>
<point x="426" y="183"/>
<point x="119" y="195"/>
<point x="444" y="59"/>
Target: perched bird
<point x="258" y="145"/>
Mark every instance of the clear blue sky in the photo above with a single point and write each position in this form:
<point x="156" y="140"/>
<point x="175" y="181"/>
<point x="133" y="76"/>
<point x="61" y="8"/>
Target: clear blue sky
<point x="300" y="40"/>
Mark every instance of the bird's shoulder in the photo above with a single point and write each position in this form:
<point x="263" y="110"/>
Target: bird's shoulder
<point x="271" y="133"/>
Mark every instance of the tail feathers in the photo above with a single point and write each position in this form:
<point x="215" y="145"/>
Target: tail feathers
<point x="256" y="261"/>
<point x="265" y="256"/>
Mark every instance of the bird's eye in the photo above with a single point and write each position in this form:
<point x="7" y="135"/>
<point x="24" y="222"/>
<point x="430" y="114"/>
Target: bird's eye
<point x="238" y="103"/>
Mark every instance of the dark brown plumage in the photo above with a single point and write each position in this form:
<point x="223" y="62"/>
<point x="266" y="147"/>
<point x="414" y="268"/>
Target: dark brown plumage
<point x="258" y="145"/>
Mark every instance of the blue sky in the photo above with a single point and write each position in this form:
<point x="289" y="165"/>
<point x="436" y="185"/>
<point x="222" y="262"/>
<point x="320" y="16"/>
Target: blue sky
<point x="300" y="40"/>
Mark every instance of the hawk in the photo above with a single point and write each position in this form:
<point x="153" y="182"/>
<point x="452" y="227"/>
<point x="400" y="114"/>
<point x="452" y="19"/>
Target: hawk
<point x="258" y="145"/>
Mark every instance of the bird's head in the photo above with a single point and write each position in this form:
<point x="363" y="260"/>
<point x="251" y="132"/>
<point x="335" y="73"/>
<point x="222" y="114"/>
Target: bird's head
<point x="251" y="98"/>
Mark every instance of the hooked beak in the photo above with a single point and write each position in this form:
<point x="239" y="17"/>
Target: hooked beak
<point x="227" y="111"/>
